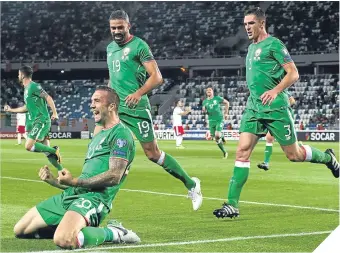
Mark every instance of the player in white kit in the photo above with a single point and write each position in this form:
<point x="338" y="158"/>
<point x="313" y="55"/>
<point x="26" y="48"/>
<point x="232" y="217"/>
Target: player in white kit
<point x="21" y="121"/>
<point x="177" y="123"/>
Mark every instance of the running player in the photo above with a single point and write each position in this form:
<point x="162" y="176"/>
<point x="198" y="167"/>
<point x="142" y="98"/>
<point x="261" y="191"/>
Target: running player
<point x="269" y="142"/>
<point x="269" y="71"/>
<point x="36" y="99"/>
<point x="130" y="60"/>
<point x="86" y="200"/>
<point x="177" y="123"/>
<point x="212" y="106"/>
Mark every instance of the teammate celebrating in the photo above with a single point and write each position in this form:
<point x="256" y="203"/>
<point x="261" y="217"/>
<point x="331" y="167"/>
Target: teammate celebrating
<point x="177" y="123"/>
<point x="129" y="61"/>
<point x="39" y="118"/>
<point x="269" y="71"/>
<point x="212" y="106"/>
<point x="21" y="121"/>
<point x="269" y="142"/>
<point x="86" y="200"/>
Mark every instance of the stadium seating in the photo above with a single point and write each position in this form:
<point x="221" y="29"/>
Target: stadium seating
<point x="71" y="31"/>
<point x="316" y="99"/>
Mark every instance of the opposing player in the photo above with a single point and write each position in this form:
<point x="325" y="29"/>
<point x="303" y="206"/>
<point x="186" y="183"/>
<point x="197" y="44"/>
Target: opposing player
<point x="270" y="140"/>
<point x="129" y="61"/>
<point x="35" y="100"/>
<point x="269" y="71"/>
<point x="86" y="200"/>
<point x="212" y="106"/>
<point x="177" y="123"/>
<point x="21" y="131"/>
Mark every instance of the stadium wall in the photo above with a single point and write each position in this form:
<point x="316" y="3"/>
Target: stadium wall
<point x="232" y="62"/>
<point x="305" y="135"/>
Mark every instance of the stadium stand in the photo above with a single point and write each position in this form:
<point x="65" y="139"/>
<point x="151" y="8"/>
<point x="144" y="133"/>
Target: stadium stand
<point x="73" y="31"/>
<point x="316" y="99"/>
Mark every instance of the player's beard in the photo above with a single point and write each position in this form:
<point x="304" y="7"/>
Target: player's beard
<point x="121" y="38"/>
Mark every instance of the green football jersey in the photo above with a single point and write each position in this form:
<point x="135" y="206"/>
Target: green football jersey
<point x="36" y="105"/>
<point x="264" y="71"/>
<point x="114" y="142"/>
<point x="127" y="73"/>
<point x="213" y="107"/>
<point x="28" y="125"/>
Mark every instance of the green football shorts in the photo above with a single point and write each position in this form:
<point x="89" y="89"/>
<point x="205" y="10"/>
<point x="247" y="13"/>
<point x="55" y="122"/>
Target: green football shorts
<point x="279" y="123"/>
<point x="39" y="130"/>
<point x="139" y="122"/>
<point x="88" y="205"/>
<point x="215" y="126"/>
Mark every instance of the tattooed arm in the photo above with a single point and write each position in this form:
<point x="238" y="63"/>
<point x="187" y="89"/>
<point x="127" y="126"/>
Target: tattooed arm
<point x="117" y="168"/>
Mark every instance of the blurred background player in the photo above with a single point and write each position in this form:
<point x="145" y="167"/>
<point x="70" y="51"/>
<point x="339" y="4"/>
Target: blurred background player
<point x="269" y="71"/>
<point x="86" y="200"/>
<point x="270" y="140"/>
<point x="212" y="106"/>
<point x="130" y="61"/>
<point x="177" y="123"/>
<point x="36" y="100"/>
<point x="21" y="122"/>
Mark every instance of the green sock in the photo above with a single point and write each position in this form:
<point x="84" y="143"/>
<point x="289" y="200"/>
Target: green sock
<point x="92" y="236"/>
<point x="239" y="178"/>
<point x="39" y="147"/>
<point x="220" y="145"/>
<point x="173" y="168"/>
<point x="314" y="155"/>
<point x="54" y="162"/>
<point x="268" y="152"/>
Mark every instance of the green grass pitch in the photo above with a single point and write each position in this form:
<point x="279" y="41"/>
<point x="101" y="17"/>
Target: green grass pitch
<point x="289" y="208"/>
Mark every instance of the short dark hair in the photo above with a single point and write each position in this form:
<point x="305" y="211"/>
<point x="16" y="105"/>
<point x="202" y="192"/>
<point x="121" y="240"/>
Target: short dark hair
<point x="27" y="71"/>
<point x="119" y="14"/>
<point x="112" y="97"/>
<point x="258" y="12"/>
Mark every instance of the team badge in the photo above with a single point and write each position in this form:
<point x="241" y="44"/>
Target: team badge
<point x="125" y="56"/>
<point x="121" y="143"/>
<point x="257" y="54"/>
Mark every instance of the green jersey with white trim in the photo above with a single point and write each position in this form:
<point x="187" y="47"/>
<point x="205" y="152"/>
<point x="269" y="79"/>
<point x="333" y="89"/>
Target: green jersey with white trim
<point x="36" y="105"/>
<point x="114" y="142"/>
<point x="264" y="71"/>
<point x="213" y="107"/>
<point x="127" y="73"/>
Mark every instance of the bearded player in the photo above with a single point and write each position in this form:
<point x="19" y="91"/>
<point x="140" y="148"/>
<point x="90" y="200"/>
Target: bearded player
<point x="269" y="71"/>
<point x="36" y="101"/>
<point x="130" y="61"/>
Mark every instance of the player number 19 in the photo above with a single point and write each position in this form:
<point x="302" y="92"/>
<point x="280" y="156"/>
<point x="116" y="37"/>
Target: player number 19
<point x="143" y="127"/>
<point x="116" y="65"/>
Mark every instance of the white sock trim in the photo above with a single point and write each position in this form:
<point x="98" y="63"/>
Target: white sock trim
<point x="269" y="144"/>
<point x="242" y="164"/>
<point x="308" y="152"/>
<point x="80" y="239"/>
<point x="116" y="237"/>
<point x="32" y="148"/>
<point x="161" y="158"/>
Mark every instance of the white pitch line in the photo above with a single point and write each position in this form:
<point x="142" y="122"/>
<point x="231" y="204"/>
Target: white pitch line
<point x="151" y="245"/>
<point x="208" y="198"/>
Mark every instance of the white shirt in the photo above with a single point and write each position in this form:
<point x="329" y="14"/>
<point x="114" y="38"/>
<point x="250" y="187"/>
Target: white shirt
<point x="177" y="117"/>
<point x="21" y="119"/>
